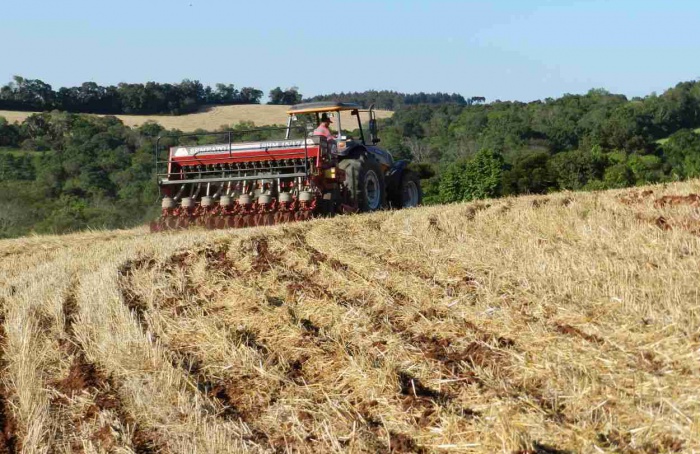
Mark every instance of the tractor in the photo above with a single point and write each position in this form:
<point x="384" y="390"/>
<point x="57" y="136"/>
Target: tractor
<point x="264" y="176"/>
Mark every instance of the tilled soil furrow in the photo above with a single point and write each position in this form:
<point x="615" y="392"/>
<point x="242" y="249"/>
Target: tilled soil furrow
<point x="456" y="287"/>
<point x="232" y="392"/>
<point x="87" y="395"/>
<point x="453" y="288"/>
<point x="236" y="392"/>
<point x="427" y="401"/>
<point x="484" y="353"/>
<point x="435" y="347"/>
<point x="132" y="300"/>
<point x="171" y="413"/>
<point x="217" y="389"/>
<point x="463" y="365"/>
<point x="452" y="362"/>
<point x="30" y="354"/>
<point x="299" y="283"/>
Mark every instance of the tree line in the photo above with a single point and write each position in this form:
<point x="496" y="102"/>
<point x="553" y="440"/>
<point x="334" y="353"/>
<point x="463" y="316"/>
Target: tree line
<point x="125" y="98"/>
<point x="188" y="96"/>
<point x="62" y="171"/>
<point x="597" y="140"/>
<point x="392" y="100"/>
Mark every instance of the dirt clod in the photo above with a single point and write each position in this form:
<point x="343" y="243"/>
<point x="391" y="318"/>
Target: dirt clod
<point x="651" y="363"/>
<point x="674" y="200"/>
<point x="541" y="448"/>
<point x="218" y="260"/>
<point x="296" y="370"/>
<point x="400" y="443"/>
<point x="263" y="259"/>
<point x="309" y="326"/>
<point x="104" y="437"/>
<point x="539" y="202"/>
<point x="662" y="223"/>
<point x="434" y="224"/>
<point x="274" y="301"/>
<point x="417" y="394"/>
<point x="147" y="441"/>
<point x="573" y="331"/>
<point x="634" y="197"/>
<point x="474" y="354"/>
<point x="82" y="376"/>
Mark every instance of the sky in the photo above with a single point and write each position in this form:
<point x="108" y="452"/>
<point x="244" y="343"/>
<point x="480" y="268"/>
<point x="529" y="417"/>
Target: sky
<point x="501" y="49"/>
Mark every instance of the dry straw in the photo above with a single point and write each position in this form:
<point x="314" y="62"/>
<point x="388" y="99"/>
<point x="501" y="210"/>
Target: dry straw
<point x="560" y="323"/>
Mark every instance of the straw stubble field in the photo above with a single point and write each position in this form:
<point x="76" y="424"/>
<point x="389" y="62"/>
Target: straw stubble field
<point x="212" y="117"/>
<point x="550" y="324"/>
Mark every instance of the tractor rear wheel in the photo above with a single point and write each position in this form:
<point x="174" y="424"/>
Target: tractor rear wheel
<point x="365" y="181"/>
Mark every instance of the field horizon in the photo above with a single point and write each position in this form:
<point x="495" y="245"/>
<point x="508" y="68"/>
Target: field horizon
<point x="559" y="323"/>
<point x="208" y="118"/>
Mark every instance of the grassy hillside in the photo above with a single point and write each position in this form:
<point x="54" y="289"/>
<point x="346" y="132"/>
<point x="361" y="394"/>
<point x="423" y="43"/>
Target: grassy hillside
<point x="209" y="119"/>
<point x="550" y="324"/>
<point x="665" y="139"/>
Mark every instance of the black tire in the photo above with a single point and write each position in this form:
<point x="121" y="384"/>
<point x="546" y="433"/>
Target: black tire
<point x="409" y="193"/>
<point x="365" y="181"/>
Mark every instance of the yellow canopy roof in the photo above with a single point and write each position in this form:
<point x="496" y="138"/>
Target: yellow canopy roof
<point x="325" y="106"/>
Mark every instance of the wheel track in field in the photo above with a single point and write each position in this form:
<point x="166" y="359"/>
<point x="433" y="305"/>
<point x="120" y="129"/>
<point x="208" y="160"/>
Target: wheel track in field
<point x="413" y="393"/>
<point x="488" y="351"/>
<point x="534" y="390"/>
<point x="302" y="282"/>
<point x="208" y="388"/>
<point x="83" y="377"/>
<point x="221" y="389"/>
<point x="308" y="333"/>
<point x="485" y="352"/>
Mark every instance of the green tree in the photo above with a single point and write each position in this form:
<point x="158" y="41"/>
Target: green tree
<point x="482" y="177"/>
<point x="574" y="169"/>
<point x="285" y="97"/>
<point x="451" y="185"/>
<point x="682" y="151"/>
<point x="645" y="169"/>
<point x="9" y="134"/>
<point x="618" y="176"/>
<point x="528" y="174"/>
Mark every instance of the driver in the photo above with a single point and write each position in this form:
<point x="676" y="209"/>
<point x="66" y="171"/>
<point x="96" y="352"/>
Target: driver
<point x="323" y="128"/>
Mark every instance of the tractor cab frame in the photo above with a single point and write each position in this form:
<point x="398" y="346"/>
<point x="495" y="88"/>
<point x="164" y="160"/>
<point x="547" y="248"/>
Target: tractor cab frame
<point x="316" y="109"/>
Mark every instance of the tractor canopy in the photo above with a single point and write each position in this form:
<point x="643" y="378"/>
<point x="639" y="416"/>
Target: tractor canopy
<point x="322" y="106"/>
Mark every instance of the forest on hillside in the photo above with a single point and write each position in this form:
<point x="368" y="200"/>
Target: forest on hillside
<point x="393" y="100"/>
<point x="31" y="95"/>
<point x="125" y="98"/>
<point x="598" y="140"/>
<point x="63" y="171"/>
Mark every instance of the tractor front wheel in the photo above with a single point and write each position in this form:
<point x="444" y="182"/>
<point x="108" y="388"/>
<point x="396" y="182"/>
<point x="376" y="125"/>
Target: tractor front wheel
<point x="365" y="182"/>
<point x="407" y="193"/>
<point x="411" y="193"/>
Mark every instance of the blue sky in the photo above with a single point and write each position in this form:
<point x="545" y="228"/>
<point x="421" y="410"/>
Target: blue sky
<point x="509" y="50"/>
